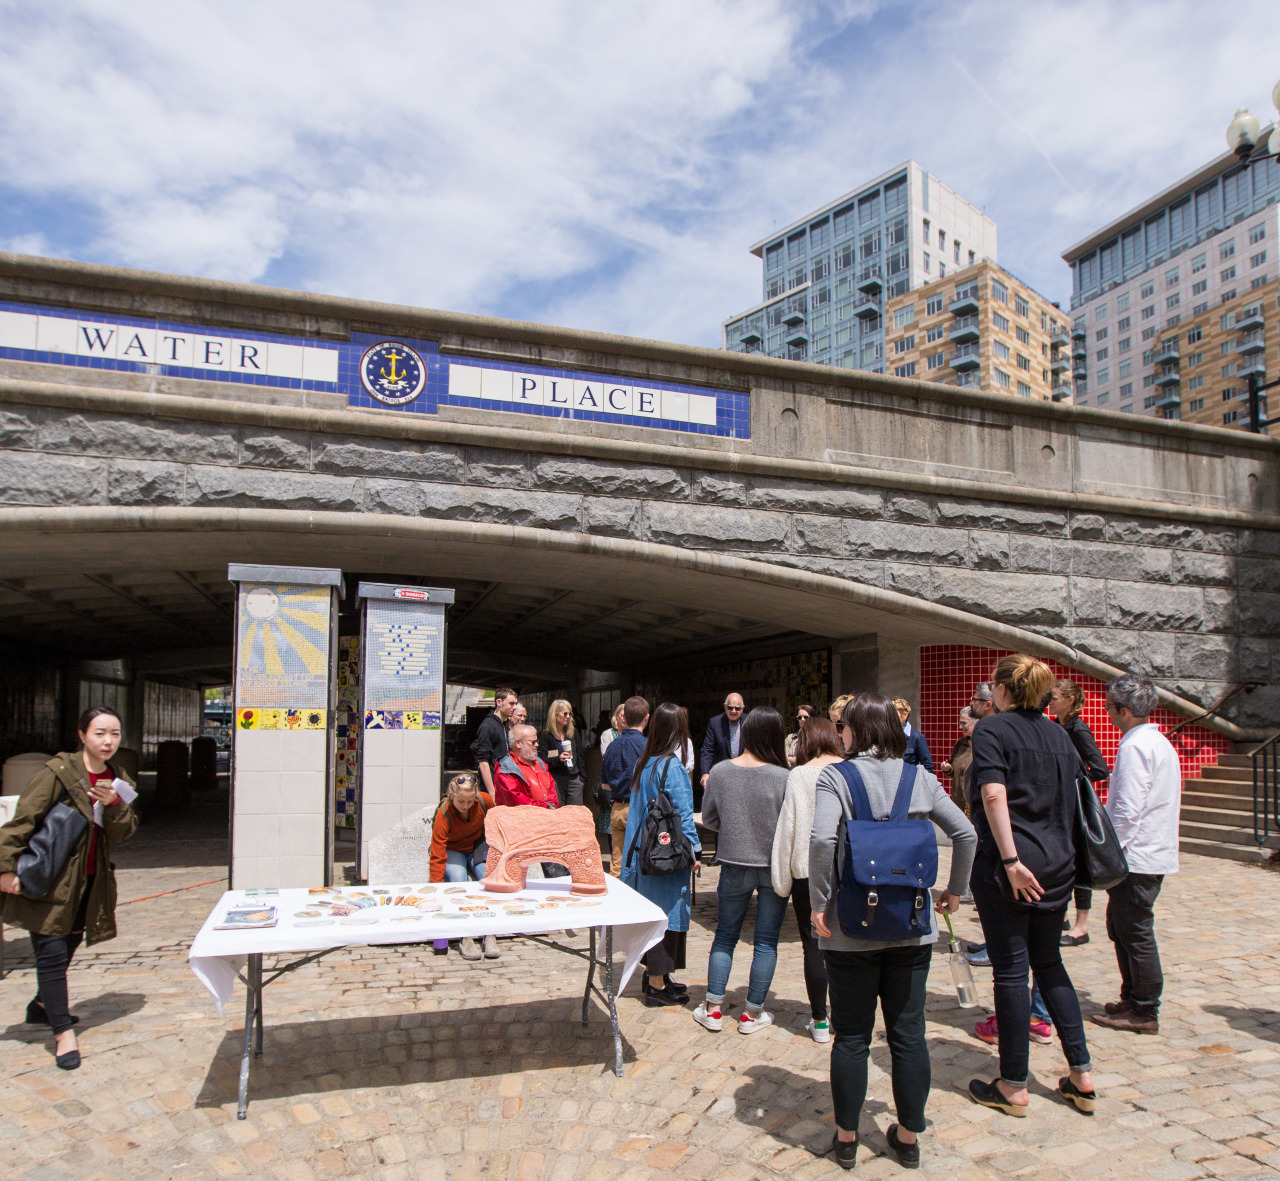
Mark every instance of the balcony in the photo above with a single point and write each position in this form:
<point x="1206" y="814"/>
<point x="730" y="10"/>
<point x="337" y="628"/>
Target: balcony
<point x="1079" y="332"/>
<point x="867" y="308"/>
<point x="1080" y="349"/>
<point x="1062" y="393"/>
<point x="1255" y="342"/>
<point x="1167" y="377"/>
<point x="1168" y="397"/>
<point x="965" y="357"/>
<point x="1059" y="335"/>
<point x="1166" y="354"/>
<point x="751" y="336"/>
<point x="965" y="329"/>
<point x="1252" y="367"/>
<point x="1249" y="319"/>
<point x="797" y="336"/>
<point x="793" y="316"/>
<point x="964" y="305"/>
<point x="869" y="279"/>
<point x="968" y="381"/>
<point x="1059" y="365"/>
<point x="1079" y="371"/>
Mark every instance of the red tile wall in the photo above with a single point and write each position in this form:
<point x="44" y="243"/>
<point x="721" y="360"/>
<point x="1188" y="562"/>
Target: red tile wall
<point x="948" y="673"/>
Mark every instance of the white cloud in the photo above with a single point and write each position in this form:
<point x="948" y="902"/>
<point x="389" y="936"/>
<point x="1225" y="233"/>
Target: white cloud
<point x="600" y="165"/>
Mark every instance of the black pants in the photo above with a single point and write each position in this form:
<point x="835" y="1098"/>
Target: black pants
<point x="1020" y="938"/>
<point x="666" y="957"/>
<point x="53" y="957"/>
<point x="897" y="978"/>
<point x="1083" y="898"/>
<point x="1131" y="926"/>
<point x="815" y="967"/>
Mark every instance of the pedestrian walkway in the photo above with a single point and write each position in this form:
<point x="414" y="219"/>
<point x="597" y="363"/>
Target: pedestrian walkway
<point x="393" y="1063"/>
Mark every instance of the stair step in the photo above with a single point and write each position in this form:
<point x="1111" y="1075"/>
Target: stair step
<point x="1241" y="774"/>
<point x="1229" y="817"/>
<point x="1234" y="760"/>
<point x="1237" y="805"/>
<point x="1219" y="850"/>
<point x="1224" y="787"/>
<point x="1225" y="834"/>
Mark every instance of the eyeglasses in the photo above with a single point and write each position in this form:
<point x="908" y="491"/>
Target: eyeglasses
<point x="737" y="709"/>
<point x="839" y="727"/>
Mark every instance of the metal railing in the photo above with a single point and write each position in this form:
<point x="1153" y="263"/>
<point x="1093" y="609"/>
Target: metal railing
<point x="1243" y="687"/>
<point x="1266" y="791"/>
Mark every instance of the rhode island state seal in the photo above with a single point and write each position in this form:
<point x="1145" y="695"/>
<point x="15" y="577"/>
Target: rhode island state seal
<point x="392" y="373"/>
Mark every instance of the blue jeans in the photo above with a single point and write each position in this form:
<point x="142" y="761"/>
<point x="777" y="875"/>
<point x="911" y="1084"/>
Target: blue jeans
<point x="459" y="865"/>
<point x="737" y="884"/>
<point x="1039" y="1010"/>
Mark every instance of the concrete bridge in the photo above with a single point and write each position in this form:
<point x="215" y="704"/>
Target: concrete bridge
<point x="761" y="506"/>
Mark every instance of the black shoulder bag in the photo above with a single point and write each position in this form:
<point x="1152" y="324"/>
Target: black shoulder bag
<point x="1100" y="860"/>
<point x="49" y="849"/>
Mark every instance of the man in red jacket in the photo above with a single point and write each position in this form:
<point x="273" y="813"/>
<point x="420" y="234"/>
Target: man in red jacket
<point x="523" y="778"/>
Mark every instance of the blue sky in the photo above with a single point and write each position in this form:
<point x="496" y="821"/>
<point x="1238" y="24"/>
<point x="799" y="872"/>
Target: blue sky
<point x="601" y="166"/>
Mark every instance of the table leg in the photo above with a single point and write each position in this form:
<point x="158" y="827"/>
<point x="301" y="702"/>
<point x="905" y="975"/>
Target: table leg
<point x="591" y="974"/>
<point x="253" y="983"/>
<point x="257" y="1050"/>
<point x="613" y="1005"/>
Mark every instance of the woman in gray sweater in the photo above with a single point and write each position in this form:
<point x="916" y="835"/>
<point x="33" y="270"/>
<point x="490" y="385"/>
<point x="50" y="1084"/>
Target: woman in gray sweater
<point x="862" y="972"/>
<point x="741" y="803"/>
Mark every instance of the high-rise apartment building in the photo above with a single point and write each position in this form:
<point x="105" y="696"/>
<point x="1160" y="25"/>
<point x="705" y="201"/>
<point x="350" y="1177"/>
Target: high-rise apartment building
<point x="983" y="329"/>
<point x="827" y="276"/>
<point x="1196" y="254"/>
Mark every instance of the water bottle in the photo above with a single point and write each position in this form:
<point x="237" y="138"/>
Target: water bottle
<point x="961" y="972"/>
<point x="566" y="754"/>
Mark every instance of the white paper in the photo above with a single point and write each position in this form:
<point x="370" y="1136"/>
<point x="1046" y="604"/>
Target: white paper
<point x="123" y="790"/>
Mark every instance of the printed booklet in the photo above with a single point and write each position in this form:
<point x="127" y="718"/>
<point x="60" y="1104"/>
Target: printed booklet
<point x="239" y="918"/>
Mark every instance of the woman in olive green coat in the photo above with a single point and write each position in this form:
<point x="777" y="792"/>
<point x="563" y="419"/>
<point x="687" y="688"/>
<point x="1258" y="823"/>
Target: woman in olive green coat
<point x="82" y="903"/>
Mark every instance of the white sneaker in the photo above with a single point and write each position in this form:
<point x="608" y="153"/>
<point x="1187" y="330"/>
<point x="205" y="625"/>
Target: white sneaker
<point x="749" y="1022"/>
<point x="820" y="1031"/>
<point x="491" y="951"/>
<point x="713" y="1020"/>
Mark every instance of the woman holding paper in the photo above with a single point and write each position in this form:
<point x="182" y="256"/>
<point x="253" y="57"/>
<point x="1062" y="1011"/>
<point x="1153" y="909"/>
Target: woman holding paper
<point x="81" y="902"/>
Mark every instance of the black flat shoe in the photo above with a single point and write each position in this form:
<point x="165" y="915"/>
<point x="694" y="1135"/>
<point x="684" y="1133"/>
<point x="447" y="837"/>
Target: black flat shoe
<point x="908" y="1154"/>
<point x="37" y="1016"/>
<point x="68" y="1061"/>
<point x="1074" y="940"/>
<point x="675" y="986"/>
<point x="657" y="997"/>
<point x="846" y="1152"/>
<point x="988" y="1095"/>
<point x="1084" y="1101"/>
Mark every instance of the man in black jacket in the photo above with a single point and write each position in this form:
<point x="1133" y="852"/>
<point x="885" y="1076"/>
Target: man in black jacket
<point x="724" y="735"/>
<point x="491" y="746"/>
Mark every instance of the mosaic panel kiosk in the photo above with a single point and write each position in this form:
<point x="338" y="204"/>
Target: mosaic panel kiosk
<point x="281" y="764"/>
<point x="402" y="648"/>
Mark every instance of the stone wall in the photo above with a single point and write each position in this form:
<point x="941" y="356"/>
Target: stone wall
<point x="1196" y="606"/>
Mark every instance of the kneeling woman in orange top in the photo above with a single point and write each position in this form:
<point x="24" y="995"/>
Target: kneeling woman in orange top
<point x="459" y="850"/>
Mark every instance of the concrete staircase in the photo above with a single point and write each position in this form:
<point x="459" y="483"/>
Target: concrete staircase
<point x="1217" y="811"/>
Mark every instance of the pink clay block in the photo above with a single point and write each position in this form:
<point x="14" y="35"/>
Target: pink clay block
<point x="519" y="836"/>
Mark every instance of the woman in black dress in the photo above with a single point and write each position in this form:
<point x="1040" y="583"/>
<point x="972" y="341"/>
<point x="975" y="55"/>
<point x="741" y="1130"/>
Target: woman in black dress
<point x="1025" y="768"/>
<point x="1067" y="707"/>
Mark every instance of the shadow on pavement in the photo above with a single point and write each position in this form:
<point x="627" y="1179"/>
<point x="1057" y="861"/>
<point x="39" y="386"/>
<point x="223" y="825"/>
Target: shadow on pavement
<point x="92" y="1011"/>
<point x="1260" y="1023"/>
<point x="399" y="1049"/>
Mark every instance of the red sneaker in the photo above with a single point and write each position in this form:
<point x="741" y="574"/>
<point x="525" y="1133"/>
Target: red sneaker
<point x="1042" y="1032"/>
<point x="986" y="1031"/>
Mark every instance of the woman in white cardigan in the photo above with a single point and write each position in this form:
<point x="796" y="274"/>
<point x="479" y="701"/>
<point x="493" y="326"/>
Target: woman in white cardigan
<point x="818" y="746"/>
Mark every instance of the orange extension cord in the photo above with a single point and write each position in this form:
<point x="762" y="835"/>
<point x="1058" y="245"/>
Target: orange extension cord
<point x="164" y="893"/>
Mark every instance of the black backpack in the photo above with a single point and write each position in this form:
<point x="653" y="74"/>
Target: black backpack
<point x="663" y="847"/>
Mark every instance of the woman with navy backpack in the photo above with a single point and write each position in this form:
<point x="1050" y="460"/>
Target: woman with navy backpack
<point x="877" y="935"/>
<point x="661" y="769"/>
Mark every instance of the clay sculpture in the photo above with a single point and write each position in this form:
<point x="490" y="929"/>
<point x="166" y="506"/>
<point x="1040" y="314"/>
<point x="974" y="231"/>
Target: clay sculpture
<point x="520" y="835"/>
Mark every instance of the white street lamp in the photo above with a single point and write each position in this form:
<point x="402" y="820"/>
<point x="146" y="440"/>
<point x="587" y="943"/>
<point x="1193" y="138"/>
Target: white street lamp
<point x="1242" y="131"/>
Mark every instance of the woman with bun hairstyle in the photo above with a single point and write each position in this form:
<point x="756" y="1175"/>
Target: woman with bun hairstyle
<point x="82" y="902"/>
<point x="1025" y="768"/>
<point x="1067" y="707"/>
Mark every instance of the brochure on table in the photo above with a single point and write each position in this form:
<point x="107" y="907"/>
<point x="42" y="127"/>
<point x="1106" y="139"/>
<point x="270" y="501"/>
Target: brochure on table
<point x="342" y="916"/>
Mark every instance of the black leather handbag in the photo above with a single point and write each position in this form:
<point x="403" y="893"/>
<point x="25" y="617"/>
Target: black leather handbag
<point x="49" y="848"/>
<point x="1100" y="861"/>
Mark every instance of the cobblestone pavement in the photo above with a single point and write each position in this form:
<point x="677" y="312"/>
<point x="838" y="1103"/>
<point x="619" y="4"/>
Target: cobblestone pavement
<point x="393" y="1063"/>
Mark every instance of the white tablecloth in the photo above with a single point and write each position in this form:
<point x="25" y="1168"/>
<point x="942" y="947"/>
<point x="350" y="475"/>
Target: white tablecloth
<point x="216" y="956"/>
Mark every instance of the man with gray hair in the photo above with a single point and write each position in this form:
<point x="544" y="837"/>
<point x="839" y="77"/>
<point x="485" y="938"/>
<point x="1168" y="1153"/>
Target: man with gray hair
<point x="983" y="702"/>
<point x="1143" y="801"/>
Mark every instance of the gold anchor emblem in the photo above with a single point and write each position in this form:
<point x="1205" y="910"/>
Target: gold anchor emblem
<point x="395" y="379"/>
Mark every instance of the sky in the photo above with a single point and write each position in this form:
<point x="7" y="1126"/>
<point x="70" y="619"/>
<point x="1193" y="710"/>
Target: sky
<point x="600" y="166"/>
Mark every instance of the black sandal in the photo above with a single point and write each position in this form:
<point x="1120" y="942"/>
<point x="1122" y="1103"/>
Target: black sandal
<point x="1084" y="1101"/>
<point x="908" y="1154"/>
<point x="989" y="1095"/>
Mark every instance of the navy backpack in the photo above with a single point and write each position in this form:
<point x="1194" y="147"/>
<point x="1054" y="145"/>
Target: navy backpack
<point x="889" y="865"/>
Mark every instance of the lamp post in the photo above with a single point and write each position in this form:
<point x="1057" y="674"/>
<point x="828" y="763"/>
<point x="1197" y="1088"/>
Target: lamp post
<point x="1242" y="138"/>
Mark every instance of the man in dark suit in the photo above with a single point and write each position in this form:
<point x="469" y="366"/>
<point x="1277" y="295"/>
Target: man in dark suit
<point x="724" y="735"/>
<point x="917" y="747"/>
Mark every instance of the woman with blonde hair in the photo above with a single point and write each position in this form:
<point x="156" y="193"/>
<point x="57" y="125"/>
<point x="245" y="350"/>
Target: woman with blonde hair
<point x="561" y="749"/>
<point x="1067" y="706"/>
<point x="1025" y="768"/>
<point x="835" y="711"/>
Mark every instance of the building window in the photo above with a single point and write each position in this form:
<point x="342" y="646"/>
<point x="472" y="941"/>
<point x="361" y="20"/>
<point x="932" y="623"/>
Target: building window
<point x="937" y="332"/>
<point x="1122" y="302"/>
<point x="1022" y="334"/>
<point x="905" y="345"/>
<point x="1230" y="416"/>
<point x="956" y="255"/>
<point x="1173" y="300"/>
<point x="1195" y="383"/>
<point x="1257" y="233"/>
<point x="1194" y="334"/>
<point x="1101" y="312"/>
<point x="1148" y="333"/>
<point x="942" y="269"/>
<point x="1261" y="281"/>
<point x="927" y="264"/>
<point x="1227" y="275"/>
<point x="1102" y="354"/>
<point x="1229" y="370"/>
<point x="1000" y="349"/>
<point x="999" y="291"/>
<point x="1230" y="392"/>
<point x="942" y="239"/>
<point x="796" y="277"/>
<point x="1123" y="324"/>
<point x="1226" y="250"/>
<point x="1195" y="405"/>
<point x="1101" y="334"/>
<point x="773" y="256"/>
<point x="1171" y="277"/>
<point x="1023" y="308"/>
<point x="1257" y="260"/>
<point x="926" y="231"/>
<point x="1002" y="378"/>
<point x="1199" y="263"/>
<point x="1200" y="307"/>
<point x="1024" y="389"/>
<point x="1228" y="296"/>
<point x="1024" y="363"/>
<point x="1000" y="322"/>
<point x="935" y="305"/>
<point x="1122" y="346"/>
<point x="1148" y="311"/>
<point x="1103" y="399"/>
<point x="843" y="221"/>
<point x="1200" y="288"/>
<point x="937" y="360"/>
<point x="1126" y="367"/>
<point x="1104" y="376"/>
<point x="908" y="370"/>
<point x="1173" y="321"/>
<point x="1148" y="290"/>
<point x="904" y="316"/>
<point x="1126" y="390"/>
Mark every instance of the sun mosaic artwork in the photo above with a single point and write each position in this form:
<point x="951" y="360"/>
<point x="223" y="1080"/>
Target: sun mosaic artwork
<point x="282" y="673"/>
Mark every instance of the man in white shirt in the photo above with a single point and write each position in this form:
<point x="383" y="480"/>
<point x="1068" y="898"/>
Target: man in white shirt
<point x="1143" y="801"/>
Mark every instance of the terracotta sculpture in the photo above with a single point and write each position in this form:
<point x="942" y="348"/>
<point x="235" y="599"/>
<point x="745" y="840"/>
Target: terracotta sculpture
<point x="517" y="836"/>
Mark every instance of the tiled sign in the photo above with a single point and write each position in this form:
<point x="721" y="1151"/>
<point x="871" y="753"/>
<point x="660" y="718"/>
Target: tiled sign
<point x="399" y="374"/>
